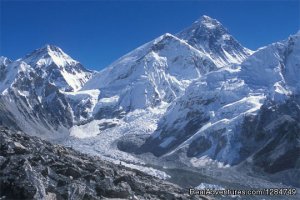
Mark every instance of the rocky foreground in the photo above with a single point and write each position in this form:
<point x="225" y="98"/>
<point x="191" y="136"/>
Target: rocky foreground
<point x="31" y="168"/>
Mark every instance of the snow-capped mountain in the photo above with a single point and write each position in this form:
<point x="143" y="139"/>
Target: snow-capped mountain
<point x="156" y="72"/>
<point x="32" y="91"/>
<point x="250" y="111"/>
<point x="212" y="38"/>
<point x="275" y="67"/>
<point x="193" y="95"/>
<point x="161" y="70"/>
<point x="60" y="69"/>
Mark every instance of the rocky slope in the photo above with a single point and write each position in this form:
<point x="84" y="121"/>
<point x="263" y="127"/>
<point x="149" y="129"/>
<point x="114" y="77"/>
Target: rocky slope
<point x="275" y="131"/>
<point x="31" y="168"/>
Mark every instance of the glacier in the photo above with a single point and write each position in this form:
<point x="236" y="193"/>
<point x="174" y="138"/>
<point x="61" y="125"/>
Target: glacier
<point x="192" y="100"/>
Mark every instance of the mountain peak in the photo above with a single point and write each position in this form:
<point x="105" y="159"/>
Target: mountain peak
<point x="210" y="37"/>
<point x="205" y="17"/>
<point x="51" y="50"/>
<point x="62" y="70"/>
<point x="203" y="30"/>
<point x="48" y="54"/>
<point x="208" y="22"/>
<point x="50" y="47"/>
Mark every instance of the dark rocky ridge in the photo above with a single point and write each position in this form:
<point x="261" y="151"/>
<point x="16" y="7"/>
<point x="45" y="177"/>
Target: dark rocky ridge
<point x="31" y="168"/>
<point x="276" y="131"/>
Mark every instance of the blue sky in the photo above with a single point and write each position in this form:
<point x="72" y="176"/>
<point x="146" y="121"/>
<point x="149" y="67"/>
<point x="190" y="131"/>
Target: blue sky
<point x="98" y="32"/>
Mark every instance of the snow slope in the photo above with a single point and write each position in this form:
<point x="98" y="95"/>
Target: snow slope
<point x="156" y="72"/>
<point x="32" y="89"/>
<point x="210" y="118"/>
<point x="59" y="68"/>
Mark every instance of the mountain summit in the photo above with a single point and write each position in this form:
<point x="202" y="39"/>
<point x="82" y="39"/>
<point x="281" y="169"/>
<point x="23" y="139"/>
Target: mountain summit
<point x="209" y="22"/>
<point x="32" y="90"/>
<point x="47" y="55"/>
<point x="212" y="38"/>
<point x="58" y="67"/>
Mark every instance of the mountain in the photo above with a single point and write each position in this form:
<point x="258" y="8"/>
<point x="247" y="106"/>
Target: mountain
<point x="275" y="67"/>
<point x="213" y="39"/>
<point x="51" y="63"/>
<point x="250" y="111"/>
<point x="196" y="98"/>
<point x="161" y="70"/>
<point x="156" y="72"/>
<point x="32" y="89"/>
<point x="151" y="75"/>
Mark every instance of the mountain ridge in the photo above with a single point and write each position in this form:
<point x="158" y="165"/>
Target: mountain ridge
<point x="189" y="95"/>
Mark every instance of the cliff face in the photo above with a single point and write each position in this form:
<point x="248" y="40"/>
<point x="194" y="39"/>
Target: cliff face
<point x="31" y="168"/>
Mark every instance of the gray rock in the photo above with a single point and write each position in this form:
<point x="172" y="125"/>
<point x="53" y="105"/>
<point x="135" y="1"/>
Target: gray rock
<point x="31" y="168"/>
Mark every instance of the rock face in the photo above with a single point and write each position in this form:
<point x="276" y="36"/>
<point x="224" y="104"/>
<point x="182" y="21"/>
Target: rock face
<point x="31" y="168"/>
<point x="276" y="131"/>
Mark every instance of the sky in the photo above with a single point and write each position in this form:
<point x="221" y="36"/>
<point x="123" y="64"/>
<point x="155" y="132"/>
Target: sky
<point x="96" y="33"/>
